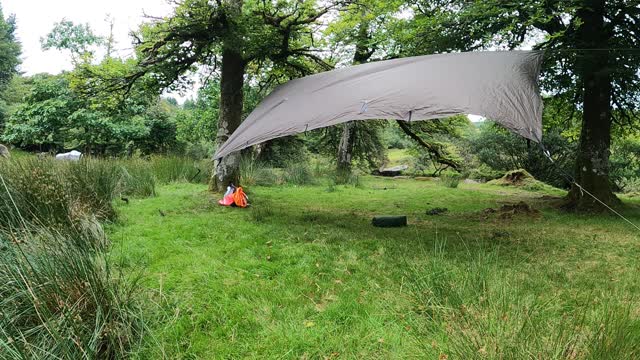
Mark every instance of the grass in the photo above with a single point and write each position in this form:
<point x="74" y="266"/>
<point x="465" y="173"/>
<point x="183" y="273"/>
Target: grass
<point x="450" y="179"/>
<point x="399" y="157"/>
<point x="303" y="274"/>
<point x="59" y="295"/>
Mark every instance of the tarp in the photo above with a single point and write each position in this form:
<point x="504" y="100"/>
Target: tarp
<point x="499" y="85"/>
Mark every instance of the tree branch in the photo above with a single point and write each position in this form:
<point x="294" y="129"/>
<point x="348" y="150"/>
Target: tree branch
<point x="434" y="150"/>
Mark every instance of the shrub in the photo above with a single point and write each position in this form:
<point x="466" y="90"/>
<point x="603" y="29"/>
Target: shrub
<point x="34" y="190"/>
<point x="57" y="194"/>
<point x="629" y="185"/>
<point x="171" y="169"/>
<point x="625" y="164"/>
<point x="322" y="167"/>
<point x="503" y="151"/>
<point x="484" y="173"/>
<point x="351" y="178"/>
<point x="267" y="177"/>
<point x="282" y="151"/>
<point x="199" y="150"/>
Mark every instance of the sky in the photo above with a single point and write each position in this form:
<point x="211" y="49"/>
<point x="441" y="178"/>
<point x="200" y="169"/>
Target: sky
<point x="35" y="19"/>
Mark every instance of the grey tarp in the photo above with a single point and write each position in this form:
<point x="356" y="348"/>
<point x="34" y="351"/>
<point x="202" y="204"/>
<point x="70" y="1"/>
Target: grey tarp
<point x="500" y="85"/>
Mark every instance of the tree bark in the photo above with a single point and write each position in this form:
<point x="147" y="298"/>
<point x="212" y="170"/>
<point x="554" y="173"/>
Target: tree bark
<point x="592" y="163"/>
<point x="349" y="132"/>
<point x="227" y="170"/>
<point x="345" y="151"/>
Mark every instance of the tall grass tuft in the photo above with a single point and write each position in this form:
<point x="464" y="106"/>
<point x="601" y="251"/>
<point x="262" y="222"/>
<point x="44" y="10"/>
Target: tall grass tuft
<point x="138" y="178"/>
<point x="60" y="300"/>
<point x="93" y="183"/>
<point x="59" y="295"/>
<point x="488" y="313"/>
<point x="298" y="174"/>
<point x="174" y="169"/>
<point x="253" y="172"/>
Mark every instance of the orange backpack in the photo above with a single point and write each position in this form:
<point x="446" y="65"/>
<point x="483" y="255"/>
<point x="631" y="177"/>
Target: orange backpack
<point x="240" y="198"/>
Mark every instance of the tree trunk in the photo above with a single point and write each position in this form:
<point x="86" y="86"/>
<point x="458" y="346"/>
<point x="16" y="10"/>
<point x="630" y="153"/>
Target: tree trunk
<point x="592" y="163"/>
<point x="349" y="132"/>
<point x="345" y="151"/>
<point x="227" y="169"/>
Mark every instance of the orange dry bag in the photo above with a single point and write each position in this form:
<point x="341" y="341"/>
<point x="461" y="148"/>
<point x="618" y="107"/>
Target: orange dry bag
<point x="240" y="198"/>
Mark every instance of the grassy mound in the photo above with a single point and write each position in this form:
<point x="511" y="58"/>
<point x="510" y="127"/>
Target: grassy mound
<point x="520" y="178"/>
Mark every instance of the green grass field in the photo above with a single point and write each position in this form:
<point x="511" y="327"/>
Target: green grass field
<point x="303" y="274"/>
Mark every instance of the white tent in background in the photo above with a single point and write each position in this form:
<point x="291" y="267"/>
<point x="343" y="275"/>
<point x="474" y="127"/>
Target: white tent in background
<point x="70" y="156"/>
<point x="500" y="85"/>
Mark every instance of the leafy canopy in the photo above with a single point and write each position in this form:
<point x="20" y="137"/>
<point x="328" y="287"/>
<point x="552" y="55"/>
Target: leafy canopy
<point x="78" y="39"/>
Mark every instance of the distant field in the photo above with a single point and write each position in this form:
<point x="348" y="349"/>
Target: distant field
<point x="399" y="157"/>
<point x="303" y="274"/>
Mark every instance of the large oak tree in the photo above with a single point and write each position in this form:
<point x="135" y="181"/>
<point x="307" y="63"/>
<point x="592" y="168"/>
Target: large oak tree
<point x="232" y="38"/>
<point x="592" y="62"/>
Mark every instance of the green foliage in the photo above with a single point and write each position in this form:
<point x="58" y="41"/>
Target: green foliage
<point x="395" y="138"/>
<point x="169" y="169"/>
<point x="9" y="50"/>
<point x="41" y="120"/>
<point x="9" y="61"/>
<point x="504" y="151"/>
<point x="365" y="29"/>
<point x="199" y="150"/>
<point x="368" y="146"/>
<point x="197" y="121"/>
<point x="53" y="117"/>
<point x="11" y="98"/>
<point x="59" y="300"/>
<point x="65" y="195"/>
<point x="138" y="178"/>
<point x="77" y="39"/>
<point x="282" y="151"/>
<point x="255" y="172"/>
<point x="481" y="300"/>
<point x="625" y="164"/>
<point x="591" y="63"/>
<point x="443" y="144"/>
<point x="160" y="136"/>
<point x="255" y="29"/>
<point x="57" y="195"/>
<point x="482" y="172"/>
<point x="59" y="294"/>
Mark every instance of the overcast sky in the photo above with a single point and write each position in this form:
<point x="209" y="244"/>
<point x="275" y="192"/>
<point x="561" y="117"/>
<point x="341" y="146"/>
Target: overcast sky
<point x="35" y="18"/>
